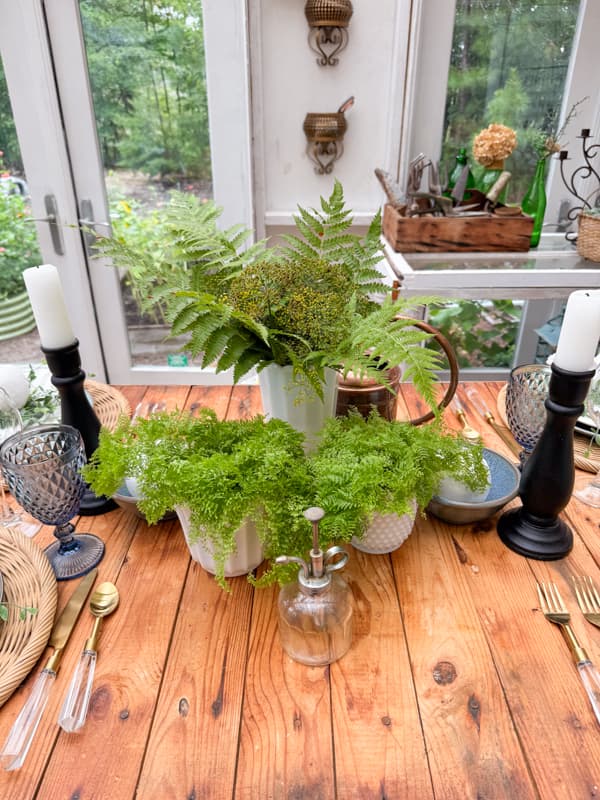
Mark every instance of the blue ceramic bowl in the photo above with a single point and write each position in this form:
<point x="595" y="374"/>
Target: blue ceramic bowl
<point x="504" y="477"/>
<point x="124" y="499"/>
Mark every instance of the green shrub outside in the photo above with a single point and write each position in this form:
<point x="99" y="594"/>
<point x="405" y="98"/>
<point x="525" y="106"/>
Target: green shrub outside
<point x="18" y="239"/>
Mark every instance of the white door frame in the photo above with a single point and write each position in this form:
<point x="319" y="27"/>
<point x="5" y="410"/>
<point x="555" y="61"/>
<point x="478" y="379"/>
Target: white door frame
<point x="30" y="79"/>
<point x="57" y="134"/>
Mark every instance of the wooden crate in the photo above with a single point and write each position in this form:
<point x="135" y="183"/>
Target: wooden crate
<point x="456" y="234"/>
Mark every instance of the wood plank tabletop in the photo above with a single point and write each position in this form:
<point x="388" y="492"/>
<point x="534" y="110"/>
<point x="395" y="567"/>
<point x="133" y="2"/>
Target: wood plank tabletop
<point x="455" y="686"/>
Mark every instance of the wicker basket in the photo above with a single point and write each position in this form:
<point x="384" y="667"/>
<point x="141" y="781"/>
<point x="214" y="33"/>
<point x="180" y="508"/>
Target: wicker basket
<point x="328" y="13"/>
<point x="325" y="127"/>
<point x="588" y="237"/>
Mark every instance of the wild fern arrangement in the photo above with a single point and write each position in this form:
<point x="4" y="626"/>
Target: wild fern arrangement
<point x="223" y="471"/>
<point x="363" y="466"/>
<point x="306" y="304"/>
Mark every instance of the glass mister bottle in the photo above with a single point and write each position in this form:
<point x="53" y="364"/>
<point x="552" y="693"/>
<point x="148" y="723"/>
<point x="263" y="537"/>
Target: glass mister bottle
<point x="315" y="611"/>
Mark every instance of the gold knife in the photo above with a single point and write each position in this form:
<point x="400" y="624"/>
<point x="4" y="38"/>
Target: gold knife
<point x="24" y="727"/>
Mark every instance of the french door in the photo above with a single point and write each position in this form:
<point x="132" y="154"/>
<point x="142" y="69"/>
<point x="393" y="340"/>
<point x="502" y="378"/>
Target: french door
<point x="58" y="71"/>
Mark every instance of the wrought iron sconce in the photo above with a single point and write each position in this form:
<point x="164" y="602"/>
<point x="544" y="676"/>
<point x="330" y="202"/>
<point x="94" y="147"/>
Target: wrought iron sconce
<point x="582" y="172"/>
<point x="328" y="34"/>
<point x="325" y="137"/>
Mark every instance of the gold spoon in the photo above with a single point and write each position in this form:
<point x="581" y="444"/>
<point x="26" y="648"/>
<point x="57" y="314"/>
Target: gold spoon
<point x="74" y="711"/>
<point x="468" y="433"/>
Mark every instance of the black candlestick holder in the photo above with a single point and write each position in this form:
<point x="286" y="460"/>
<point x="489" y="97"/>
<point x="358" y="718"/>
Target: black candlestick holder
<point x="548" y="475"/>
<point x="76" y="410"/>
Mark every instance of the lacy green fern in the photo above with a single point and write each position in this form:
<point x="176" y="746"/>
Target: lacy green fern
<point x="363" y="466"/>
<point x="223" y="471"/>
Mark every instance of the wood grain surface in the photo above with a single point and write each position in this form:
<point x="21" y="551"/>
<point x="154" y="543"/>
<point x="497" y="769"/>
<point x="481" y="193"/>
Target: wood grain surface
<point x="455" y="687"/>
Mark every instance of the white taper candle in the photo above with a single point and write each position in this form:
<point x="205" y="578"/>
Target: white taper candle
<point x="49" y="307"/>
<point x="580" y="332"/>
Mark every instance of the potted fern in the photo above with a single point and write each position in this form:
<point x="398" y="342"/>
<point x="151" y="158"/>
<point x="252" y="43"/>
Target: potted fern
<point x="298" y="313"/>
<point x="238" y="487"/>
<point x="371" y="475"/>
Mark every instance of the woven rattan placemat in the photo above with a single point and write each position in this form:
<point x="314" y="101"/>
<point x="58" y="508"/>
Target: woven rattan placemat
<point x="586" y="454"/>
<point x="28" y="582"/>
<point x="109" y="403"/>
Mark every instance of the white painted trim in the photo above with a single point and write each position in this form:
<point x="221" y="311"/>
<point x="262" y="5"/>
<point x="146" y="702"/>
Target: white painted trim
<point x="279" y="219"/>
<point x="428" y="63"/>
<point x="255" y="40"/>
<point x="582" y="81"/>
<point x="229" y="108"/>
<point x="542" y="281"/>
<point x="68" y="48"/>
<point x="397" y="99"/>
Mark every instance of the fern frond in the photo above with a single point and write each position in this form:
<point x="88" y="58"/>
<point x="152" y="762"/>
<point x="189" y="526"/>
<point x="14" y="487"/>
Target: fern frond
<point x="233" y="350"/>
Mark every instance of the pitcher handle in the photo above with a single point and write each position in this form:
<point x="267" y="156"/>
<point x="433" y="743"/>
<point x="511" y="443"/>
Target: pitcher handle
<point x="452" y="361"/>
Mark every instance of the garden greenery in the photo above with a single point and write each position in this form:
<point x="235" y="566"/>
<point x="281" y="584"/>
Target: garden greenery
<point x="19" y="247"/>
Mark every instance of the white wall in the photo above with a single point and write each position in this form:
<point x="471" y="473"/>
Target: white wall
<point x="287" y="83"/>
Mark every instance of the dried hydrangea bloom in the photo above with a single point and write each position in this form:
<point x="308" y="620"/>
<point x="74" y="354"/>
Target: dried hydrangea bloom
<point x="493" y="144"/>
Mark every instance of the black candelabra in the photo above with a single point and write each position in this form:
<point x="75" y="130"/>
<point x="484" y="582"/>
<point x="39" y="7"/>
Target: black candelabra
<point x="548" y="475"/>
<point x="583" y="172"/>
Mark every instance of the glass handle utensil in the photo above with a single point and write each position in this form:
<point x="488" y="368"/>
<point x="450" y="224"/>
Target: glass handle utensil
<point x="502" y="432"/>
<point x="21" y="734"/>
<point x="468" y="433"/>
<point x="591" y="681"/>
<point x="75" y="707"/>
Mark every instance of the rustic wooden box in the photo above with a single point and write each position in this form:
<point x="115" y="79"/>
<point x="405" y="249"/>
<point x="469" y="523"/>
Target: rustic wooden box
<point x="456" y="234"/>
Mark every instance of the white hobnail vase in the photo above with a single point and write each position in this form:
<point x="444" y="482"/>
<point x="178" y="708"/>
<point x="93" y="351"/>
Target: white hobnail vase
<point x="386" y="532"/>
<point x="284" y="399"/>
<point x="247" y="556"/>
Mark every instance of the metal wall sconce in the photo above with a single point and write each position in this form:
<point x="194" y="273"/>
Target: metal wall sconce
<point x="328" y="34"/>
<point x="325" y="137"/>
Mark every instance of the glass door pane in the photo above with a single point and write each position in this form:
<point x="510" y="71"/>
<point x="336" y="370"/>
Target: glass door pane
<point x="19" y="248"/>
<point x="148" y="83"/>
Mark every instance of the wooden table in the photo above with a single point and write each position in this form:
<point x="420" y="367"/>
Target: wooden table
<point x="455" y="686"/>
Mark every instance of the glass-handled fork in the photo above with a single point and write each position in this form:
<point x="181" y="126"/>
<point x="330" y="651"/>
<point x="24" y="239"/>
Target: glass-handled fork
<point x="587" y="598"/>
<point x="554" y="609"/>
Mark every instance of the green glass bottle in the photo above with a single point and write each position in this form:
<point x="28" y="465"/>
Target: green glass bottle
<point x="461" y="163"/>
<point x="534" y="202"/>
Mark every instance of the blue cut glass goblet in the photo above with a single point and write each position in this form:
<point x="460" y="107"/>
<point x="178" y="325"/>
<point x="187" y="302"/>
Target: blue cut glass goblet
<point x="42" y="466"/>
<point x="525" y="410"/>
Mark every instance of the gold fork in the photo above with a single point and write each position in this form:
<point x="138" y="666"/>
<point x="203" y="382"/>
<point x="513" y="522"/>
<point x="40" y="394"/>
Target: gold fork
<point x="587" y="598"/>
<point x="553" y="608"/>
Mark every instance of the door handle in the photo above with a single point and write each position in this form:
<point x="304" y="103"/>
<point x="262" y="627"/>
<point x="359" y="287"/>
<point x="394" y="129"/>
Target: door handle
<point x="52" y="220"/>
<point x="87" y="220"/>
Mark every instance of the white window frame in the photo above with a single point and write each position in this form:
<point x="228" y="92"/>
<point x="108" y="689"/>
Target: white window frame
<point x="427" y="67"/>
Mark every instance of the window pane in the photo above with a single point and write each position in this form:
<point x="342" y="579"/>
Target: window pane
<point x="147" y="73"/>
<point x="485" y="333"/>
<point x="19" y="341"/>
<point x="509" y="63"/>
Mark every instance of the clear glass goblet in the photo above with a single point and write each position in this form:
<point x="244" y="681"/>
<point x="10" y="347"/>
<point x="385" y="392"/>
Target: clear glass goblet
<point x="43" y="469"/>
<point x="525" y="410"/>
<point x="590" y="494"/>
<point x="11" y="423"/>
